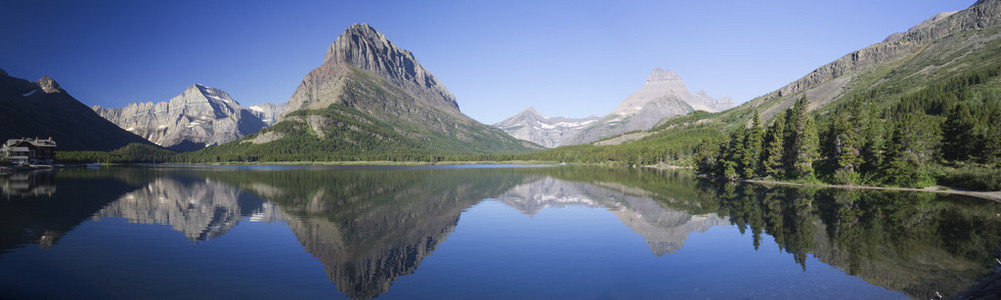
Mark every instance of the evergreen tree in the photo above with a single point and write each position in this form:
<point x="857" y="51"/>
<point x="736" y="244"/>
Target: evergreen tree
<point x="909" y="149"/>
<point x="733" y="154"/>
<point x="751" y="158"/>
<point x="772" y="152"/>
<point x="707" y="156"/>
<point x="991" y="135"/>
<point x="801" y="141"/>
<point x="808" y="152"/>
<point x="872" y="139"/>
<point x="961" y="139"/>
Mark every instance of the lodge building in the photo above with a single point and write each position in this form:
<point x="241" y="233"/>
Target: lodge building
<point x="25" y="151"/>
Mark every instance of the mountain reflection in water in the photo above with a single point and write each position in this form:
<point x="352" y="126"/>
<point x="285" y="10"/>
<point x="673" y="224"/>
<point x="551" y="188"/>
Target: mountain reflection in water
<point x="370" y="226"/>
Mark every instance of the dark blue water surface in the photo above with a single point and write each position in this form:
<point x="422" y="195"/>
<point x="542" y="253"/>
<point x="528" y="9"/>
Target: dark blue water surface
<point x="476" y="232"/>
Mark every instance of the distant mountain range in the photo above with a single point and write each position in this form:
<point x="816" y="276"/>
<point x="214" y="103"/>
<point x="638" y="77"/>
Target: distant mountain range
<point x="42" y="109"/>
<point x="663" y="95"/>
<point x="199" y="117"/>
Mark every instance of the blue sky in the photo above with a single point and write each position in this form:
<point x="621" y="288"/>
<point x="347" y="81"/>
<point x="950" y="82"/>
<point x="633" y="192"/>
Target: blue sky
<point x="568" y="58"/>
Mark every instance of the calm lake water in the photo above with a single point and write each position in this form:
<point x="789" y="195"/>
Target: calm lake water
<point x="476" y="232"/>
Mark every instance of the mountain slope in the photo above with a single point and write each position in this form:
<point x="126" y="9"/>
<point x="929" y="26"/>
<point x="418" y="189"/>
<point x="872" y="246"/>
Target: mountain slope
<point x="199" y="117"/>
<point x="898" y="71"/>
<point x="663" y="95"/>
<point x="369" y="100"/>
<point x="43" y="109"/>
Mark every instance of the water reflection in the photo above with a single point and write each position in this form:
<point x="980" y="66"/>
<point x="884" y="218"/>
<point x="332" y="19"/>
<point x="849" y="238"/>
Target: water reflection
<point x="368" y="227"/>
<point x="28" y="184"/>
<point x="920" y="243"/>
<point x="201" y="209"/>
<point x="663" y="228"/>
<point x="36" y="213"/>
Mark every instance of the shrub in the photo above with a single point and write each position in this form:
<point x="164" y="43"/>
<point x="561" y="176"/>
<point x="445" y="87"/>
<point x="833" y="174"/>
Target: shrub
<point x="974" y="178"/>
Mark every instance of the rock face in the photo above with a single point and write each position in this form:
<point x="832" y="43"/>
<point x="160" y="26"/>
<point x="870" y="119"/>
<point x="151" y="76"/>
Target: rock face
<point x="199" y="117"/>
<point x="530" y="125"/>
<point x="663" y="95"/>
<point x="370" y="95"/>
<point x="830" y="81"/>
<point x="269" y="113"/>
<point x="43" y="109"/>
<point x="364" y="48"/>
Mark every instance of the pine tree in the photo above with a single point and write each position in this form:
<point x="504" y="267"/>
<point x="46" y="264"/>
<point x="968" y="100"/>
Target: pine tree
<point x="751" y="159"/>
<point x="733" y="154"/>
<point x="909" y="150"/>
<point x="808" y="152"/>
<point x="707" y="156"/>
<point x="772" y="152"/>
<point x="872" y="140"/>
<point x="960" y="136"/>
<point x="991" y="135"/>
<point x="801" y="141"/>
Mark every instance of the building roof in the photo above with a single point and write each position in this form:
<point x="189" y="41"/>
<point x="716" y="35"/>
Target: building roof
<point x="34" y="142"/>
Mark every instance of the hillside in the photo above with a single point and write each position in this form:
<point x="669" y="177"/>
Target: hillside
<point x="948" y="59"/>
<point x="42" y="109"/>
<point x="368" y="100"/>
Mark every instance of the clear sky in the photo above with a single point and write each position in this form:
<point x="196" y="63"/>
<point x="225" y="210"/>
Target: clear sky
<point x="565" y="58"/>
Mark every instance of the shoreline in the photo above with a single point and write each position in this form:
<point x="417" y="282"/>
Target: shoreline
<point x="371" y="163"/>
<point x="988" y="195"/>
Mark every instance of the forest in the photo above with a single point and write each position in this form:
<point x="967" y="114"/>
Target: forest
<point x="941" y="135"/>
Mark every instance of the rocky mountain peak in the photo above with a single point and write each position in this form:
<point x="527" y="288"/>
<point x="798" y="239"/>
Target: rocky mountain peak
<point x="530" y="111"/>
<point x="660" y="84"/>
<point x="661" y="75"/>
<point x="363" y="47"/>
<point x="49" y="85"/>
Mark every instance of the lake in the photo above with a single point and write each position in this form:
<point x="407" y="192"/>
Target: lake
<point x="459" y="232"/>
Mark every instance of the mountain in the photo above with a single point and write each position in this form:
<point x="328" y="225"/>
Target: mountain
<point x="663" y="95"/>
<point x="42" y="109"/>
<point x="199" y="117"/>
<point x="269" y="113"/>
<point x="936" y="46"/>
<point x="530" y="125"/>
<point x="370" y="97"/>
<point x="947" y="59"/>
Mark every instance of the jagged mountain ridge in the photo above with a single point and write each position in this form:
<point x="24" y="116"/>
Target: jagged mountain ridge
<point x="43" y="109"/>
<point x="663" y="95"/>
<point x="369" y="97"/>
<point x="199" y="117"/>
<point x="530" y="125"/>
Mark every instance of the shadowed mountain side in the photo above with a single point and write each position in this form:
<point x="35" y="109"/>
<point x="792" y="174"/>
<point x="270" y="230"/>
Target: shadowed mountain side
<point x="42" y="109"/>
<point x="43" y="218"/>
